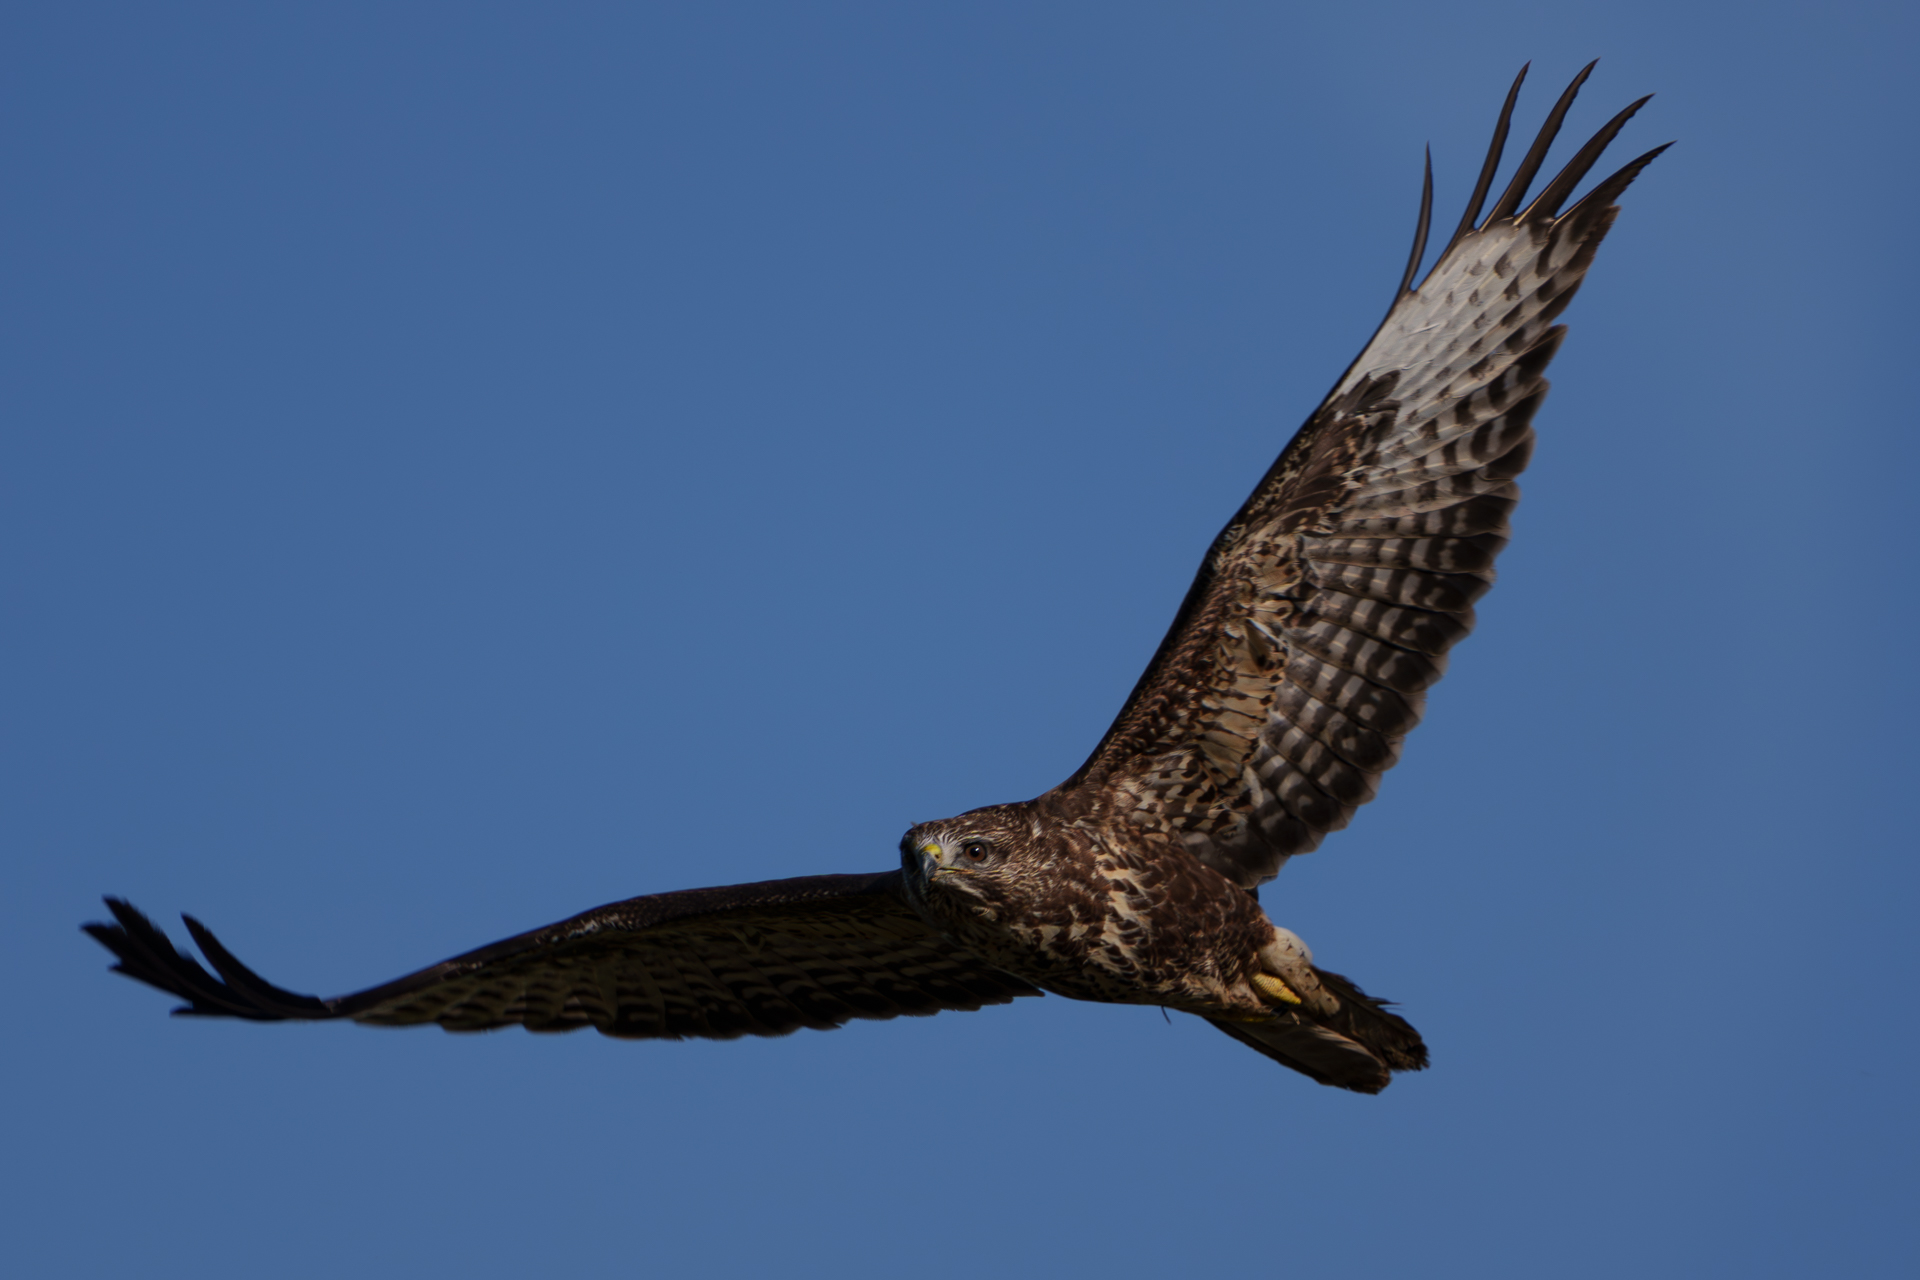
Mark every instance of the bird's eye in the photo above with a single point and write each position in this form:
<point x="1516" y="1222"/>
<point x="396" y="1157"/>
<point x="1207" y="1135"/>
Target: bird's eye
<point x="978" y="850"/>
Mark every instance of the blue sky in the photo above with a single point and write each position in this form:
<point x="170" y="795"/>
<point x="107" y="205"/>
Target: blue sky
<point x="464" y="464"/>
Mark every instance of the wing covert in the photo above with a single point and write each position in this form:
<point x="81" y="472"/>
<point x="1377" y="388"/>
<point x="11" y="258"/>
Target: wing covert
<point x="1300" y="658"/>
<point x="757" y="959"/>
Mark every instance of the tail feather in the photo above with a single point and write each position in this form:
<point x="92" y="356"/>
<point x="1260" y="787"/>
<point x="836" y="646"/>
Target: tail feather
<point x="1358" y="1046"/>
<point x="1388" y="1036"/>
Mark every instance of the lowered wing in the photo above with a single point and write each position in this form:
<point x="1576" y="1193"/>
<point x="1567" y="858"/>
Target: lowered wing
<point x="753" y="959"/>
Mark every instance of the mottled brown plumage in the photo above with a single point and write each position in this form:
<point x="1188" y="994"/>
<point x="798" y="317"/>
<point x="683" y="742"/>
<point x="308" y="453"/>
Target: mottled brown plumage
<point x="1293" y="671"/>
<point x="751" y="959"/>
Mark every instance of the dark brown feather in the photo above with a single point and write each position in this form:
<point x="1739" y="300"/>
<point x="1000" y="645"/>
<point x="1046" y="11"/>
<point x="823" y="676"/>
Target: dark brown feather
<point x="1523" y="176"/>
<point x="1295" y="666"/>
<point x="1357" y="1047"/>
<point x="1491" y="165"/>
<point x="754" y="959"/>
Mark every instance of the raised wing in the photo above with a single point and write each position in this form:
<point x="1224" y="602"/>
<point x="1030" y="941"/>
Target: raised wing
<point x="1325" y="608"/>
<point x="753" y="959"/>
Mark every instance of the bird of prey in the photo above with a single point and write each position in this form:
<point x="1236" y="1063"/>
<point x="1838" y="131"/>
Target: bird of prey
<point x="1294" y="668"/>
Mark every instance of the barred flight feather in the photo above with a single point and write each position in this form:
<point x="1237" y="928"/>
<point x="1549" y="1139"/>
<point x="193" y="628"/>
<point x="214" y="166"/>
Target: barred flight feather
<point x="1328" y="604"/>
<point x="1297" y="664"/>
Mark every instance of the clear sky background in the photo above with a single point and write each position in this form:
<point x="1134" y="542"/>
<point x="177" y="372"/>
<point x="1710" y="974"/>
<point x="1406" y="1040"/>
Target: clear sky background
<point x="464" y="464"/>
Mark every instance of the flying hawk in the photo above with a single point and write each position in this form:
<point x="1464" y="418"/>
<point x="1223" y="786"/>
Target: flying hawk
<point x="1295" y="666"/>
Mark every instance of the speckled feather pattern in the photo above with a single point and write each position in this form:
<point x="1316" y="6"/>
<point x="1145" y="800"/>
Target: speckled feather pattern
<point x="1083" y="912"/>
<point x="1292" y="673"/>
<point x="756" y="959"/>
<point x="1326" y="608"/>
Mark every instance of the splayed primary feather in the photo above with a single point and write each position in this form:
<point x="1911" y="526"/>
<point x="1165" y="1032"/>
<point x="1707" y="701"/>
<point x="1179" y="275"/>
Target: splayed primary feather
<point x="1294" y="669"/>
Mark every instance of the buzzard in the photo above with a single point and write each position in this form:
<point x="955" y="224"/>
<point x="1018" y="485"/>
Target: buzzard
<point x="1294" y="668"/>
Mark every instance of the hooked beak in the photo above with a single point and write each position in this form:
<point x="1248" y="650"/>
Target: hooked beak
<point x="930" y="861"/>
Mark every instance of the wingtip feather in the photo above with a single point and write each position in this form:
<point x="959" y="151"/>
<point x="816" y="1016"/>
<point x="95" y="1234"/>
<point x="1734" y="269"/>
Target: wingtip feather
<point x="1536" y="156"/>
<point x="1491" y="165"/>
<point x="1547" y="203"/>
<point x="263" y="995"/>
<point x="1608" y="189"/>
<point x="1421" y="228"/>
<point x="147" y="955"/>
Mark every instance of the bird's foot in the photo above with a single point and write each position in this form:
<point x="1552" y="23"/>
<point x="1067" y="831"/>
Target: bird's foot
<point x="1286" y="976"/>
<point x="1274" y="989"/>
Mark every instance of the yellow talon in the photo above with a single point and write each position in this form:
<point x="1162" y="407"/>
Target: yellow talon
<point x="1274" y="989"/>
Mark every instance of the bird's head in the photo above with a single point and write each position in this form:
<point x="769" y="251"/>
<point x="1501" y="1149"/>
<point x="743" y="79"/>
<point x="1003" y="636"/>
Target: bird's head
<point x="976" y="862"/>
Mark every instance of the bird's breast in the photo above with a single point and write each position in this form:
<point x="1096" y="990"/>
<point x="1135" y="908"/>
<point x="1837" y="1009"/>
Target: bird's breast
<point x="1119" y="921"/>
